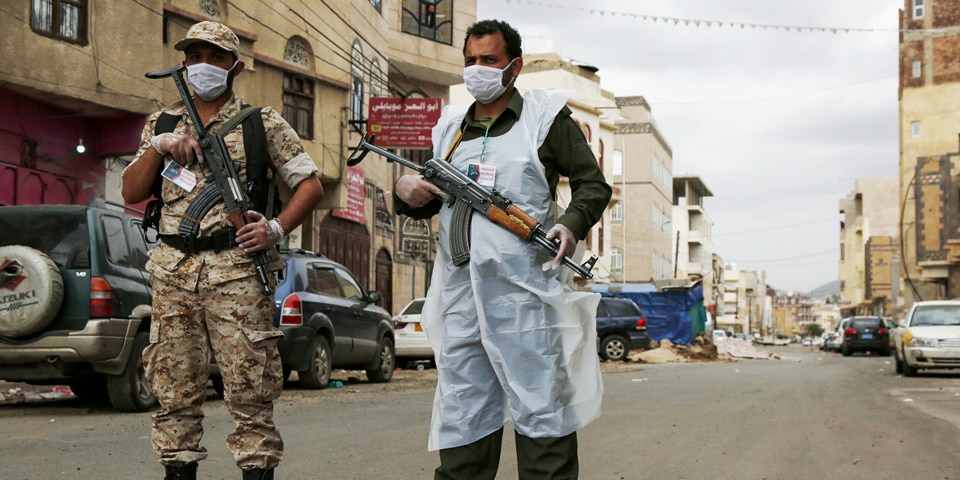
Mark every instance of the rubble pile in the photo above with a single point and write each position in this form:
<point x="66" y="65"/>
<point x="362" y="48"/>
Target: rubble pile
<point x="701" y="349"/>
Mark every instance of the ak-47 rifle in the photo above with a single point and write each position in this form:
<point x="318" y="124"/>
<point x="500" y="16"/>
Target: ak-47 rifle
<point x="465" y="195"/>
<point x="225" y="176"/>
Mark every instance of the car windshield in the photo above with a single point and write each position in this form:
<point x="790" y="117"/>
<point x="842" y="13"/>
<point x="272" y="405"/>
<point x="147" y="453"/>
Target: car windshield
<point x="61" y="234"/>
<point x="936" y="315"/>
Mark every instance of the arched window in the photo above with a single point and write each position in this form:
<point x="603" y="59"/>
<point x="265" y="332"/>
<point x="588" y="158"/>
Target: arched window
<point x="356" y="84"/>
<point x="376" y="79"/>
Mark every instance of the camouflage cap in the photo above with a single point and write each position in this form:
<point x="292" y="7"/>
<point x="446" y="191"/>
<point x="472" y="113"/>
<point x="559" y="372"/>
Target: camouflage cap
<point x="211" y="32"/>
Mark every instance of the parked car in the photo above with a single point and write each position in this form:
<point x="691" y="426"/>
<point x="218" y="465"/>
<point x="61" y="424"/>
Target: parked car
<point x="329" y="321"/>
<point x="834" y="339"/>
<point x="75" y="301"/>
<point x="928" y="337"/>
<point x="719" y="335"/>
<point x="621" y="327"/>
<point x="865" y="333"/>
<point x="412" y="343"/>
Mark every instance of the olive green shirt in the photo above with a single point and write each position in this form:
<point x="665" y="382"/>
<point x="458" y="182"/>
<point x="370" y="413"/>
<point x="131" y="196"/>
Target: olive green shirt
<point x="565" y="152"/>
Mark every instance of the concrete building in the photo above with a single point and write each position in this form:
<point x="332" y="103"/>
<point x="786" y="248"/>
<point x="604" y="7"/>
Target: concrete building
<point x="641" y="237"/>
<point x="869" y="244"/>
<point x="75" y="75"/>
<point x="929" y="125"/>
<point x="746" y="306"/>
<point x="693" y="250"/>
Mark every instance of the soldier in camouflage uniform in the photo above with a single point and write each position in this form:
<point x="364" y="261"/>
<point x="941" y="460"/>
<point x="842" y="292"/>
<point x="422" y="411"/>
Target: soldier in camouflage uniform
<point x="208" y="302"/>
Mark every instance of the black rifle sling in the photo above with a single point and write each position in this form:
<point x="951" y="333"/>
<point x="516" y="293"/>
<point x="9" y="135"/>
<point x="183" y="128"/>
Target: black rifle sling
<point x="255" y="148"/>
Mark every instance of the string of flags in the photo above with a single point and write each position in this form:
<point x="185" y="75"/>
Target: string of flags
<point x="722" y="23"/>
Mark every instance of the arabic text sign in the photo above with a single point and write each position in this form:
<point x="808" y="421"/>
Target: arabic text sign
<point x="403" y="122"/>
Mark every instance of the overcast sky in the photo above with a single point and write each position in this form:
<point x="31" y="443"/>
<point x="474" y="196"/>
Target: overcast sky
<point x="777" y="122"/>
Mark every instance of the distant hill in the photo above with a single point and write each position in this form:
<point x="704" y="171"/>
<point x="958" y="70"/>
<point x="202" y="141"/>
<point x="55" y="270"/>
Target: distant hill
<point x="825" y="290"/>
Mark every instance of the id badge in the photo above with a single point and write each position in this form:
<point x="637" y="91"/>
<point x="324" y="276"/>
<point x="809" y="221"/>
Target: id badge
<point x="485" y="175"/>
<point x="180" y="176"/>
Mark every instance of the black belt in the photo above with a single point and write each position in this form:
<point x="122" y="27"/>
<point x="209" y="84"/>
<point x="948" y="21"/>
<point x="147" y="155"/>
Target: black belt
<point x="220" y="240"/>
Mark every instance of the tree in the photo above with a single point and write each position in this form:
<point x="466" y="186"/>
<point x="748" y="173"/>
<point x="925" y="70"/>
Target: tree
<point x="813" y="329"/>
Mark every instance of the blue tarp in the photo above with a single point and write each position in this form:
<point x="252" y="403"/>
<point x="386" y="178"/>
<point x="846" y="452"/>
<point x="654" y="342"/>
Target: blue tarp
<point x="668" y="313"/>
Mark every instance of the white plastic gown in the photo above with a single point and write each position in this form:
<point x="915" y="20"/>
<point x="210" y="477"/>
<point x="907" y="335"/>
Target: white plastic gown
<point x="513" y="342"/>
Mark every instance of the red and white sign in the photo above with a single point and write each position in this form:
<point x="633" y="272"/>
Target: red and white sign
<point x="356" y="183"/>
<point x="403" y="122"/>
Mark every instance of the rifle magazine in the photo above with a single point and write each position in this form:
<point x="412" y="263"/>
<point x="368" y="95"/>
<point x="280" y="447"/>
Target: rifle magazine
<point x="460" y="233"/>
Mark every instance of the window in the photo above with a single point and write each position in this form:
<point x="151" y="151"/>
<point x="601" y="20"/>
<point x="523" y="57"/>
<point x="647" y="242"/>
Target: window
<point x="356" y="84"/>
<point x="376" y="79"/>
<point x="323" y="281"/>
<point x="431" y="19"/>
<point x="297" y="52"/>
<point x="616" y="260"/>
<point x="376" y="4"/>
<point x="617" y="162"/>
<point x="351" y="289"/>
<point x="916" y="68"/>
<point x="917" y="9"/>
<point x="118" y="253"/>
<point x="616" y="214"/>
<point x="915" y="129"/>
<point x="61" y="19"/>
<point x="298" y="104"/>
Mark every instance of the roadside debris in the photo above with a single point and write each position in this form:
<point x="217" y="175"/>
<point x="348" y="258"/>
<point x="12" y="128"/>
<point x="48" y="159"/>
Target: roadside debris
<point x="701" y="349"/>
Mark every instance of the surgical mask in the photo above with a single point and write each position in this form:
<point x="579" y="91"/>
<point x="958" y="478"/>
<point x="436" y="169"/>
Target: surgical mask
<point x="486" y="83"/>
<point x="208" y="81"/>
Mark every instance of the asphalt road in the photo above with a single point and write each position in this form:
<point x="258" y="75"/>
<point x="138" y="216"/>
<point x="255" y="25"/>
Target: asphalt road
<point x="808" y="415"/>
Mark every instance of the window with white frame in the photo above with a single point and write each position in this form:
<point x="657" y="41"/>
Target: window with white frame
<point x="356" y="83"/>
<point x="915" y="129"/>
<point x="917" y="68"/>
<point x="917" y="9"/>
<point x="616" y="214"/>
<point x="617" y="162"/>
<point x="616" y="260"/>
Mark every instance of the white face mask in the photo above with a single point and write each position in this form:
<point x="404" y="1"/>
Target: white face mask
<point x="208" y="81"/>
<point x="486" y="83"/>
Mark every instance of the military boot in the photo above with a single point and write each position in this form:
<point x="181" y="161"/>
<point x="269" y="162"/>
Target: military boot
<point x="258" y="474"/>
<point x="183" y="471"/>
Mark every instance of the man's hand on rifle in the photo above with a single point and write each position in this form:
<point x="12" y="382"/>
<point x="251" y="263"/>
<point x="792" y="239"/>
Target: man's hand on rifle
<point x="568" y="245"/>
<point x="259" y="233"/>
<point x="183" y="148"/>
<point x="416" y="191"/>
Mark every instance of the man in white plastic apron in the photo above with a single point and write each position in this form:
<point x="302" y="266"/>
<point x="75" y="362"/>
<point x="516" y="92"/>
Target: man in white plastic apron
<point x="513" y="340"/>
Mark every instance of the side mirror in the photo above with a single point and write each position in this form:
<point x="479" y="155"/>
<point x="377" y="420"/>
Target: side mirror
<point x="374" y="297"/>
<point x="903" y="323"/>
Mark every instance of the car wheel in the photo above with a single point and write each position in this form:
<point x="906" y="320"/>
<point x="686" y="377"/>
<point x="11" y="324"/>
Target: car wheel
<point x="614" y="348"/>
<point x="321" y="363"/>
<point x="846" y="350"/>
<point x="30" y="272"/>
<point x="130" y="391"/>
<point x="885" y="352"/>
<point x="386" y="361"/>
<point x="909" y="371"/>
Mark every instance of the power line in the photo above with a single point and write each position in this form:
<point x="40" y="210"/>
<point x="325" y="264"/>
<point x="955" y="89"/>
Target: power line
<point x="709" y="23"/>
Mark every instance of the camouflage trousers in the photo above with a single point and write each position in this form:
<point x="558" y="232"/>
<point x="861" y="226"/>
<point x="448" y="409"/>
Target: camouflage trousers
<point x="233" y="323"/>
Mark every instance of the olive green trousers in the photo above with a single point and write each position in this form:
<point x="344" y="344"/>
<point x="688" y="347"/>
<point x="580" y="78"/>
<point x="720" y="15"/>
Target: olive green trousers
<point x="537" y="459"/>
